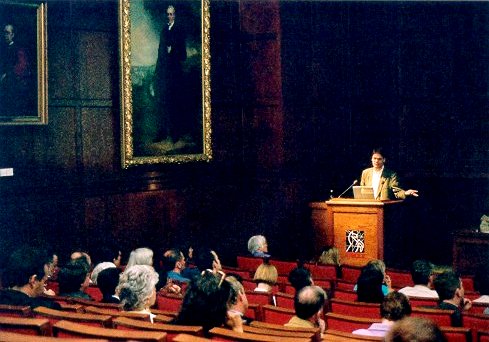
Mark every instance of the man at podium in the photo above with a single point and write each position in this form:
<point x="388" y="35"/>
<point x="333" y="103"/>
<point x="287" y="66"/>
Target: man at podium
<point x="383" y="181"/>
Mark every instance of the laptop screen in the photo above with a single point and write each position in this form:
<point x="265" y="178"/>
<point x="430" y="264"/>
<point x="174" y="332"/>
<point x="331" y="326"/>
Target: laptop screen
<point x="363" y="192"/>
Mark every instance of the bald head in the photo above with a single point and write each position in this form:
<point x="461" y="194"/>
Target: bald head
<point x="309" y="301"/>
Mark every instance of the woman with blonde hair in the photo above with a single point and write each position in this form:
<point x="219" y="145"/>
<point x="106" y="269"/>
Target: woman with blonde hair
<point x="266" y="276"/>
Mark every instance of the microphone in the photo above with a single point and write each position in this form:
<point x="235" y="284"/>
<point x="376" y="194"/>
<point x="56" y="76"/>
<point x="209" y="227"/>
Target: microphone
<point x="352" y="184"/>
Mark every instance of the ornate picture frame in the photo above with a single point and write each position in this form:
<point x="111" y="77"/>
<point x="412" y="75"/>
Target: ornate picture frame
<point x="164" y="81"/>
<point x="23" y="64"/>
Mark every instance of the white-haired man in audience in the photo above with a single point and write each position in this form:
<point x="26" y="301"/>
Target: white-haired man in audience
<point x="422" y="274"/>
<point x="258" y="246"/>
<point x="308" y="305"/>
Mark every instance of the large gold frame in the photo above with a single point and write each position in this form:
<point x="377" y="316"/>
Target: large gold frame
<point x="130" y="157"/>
<point x="39" y="115"/>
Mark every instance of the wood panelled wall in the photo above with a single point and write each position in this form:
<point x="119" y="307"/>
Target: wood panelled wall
<point x="301" y="91"/>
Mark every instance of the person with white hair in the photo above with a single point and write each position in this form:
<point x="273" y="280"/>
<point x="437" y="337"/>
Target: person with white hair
<point x="140" y="256"/>
<point x="258" y="246"/>
<point x="137" y="289"/>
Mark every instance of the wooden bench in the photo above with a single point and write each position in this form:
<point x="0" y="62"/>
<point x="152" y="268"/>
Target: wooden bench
<point x="71" y="329"/>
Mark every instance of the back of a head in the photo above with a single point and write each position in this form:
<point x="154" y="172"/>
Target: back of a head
<point x="421" y="271"/>
<point x="266" y="273"/>
<point x="140" y="256"/>
<point x="395" y="306"/>
<point x="415" y="329"/>
<point x="330" y="256"/>
<point x="446" y="284"/>
<point x="136" y="284"/>
<point x="300" y="277"/>
<point x="73" y="275"/>
<point x="23" y="263"/>
<point x="203" y="258"/>
<point x="235" y="289"/>
<point x="108" y="280"/>
<point x="377" y="264"/>
<point x="309" y="301"/>
<point x="170" y="258"/>
<point x="205" y="301"/>
<point x="255" y="242"/>
<point x="369" y="285"/>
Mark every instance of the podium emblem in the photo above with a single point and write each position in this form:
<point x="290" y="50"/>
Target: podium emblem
<point x="355" y="241"/>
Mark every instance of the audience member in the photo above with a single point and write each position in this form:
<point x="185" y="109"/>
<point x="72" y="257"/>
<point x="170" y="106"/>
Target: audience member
<point x="415" y="329"/>
<point x="24" y="279"/>
<point x="300" y="277"/>
<point x="451" y="293"/>
<point x="373" y="283"/>
<point x="107" y="281"/>
<point x="237" y="302"/>
<point x="205" y="302"/>
<point x="73" y="279"/>
<point x="174" y="264"/>
<point x="330" y="256"/>
<point x="140" y="256"/>
<point x="108" y="257"/>
<point x="266" y="276"/>
<point x="394" y="307"/>
<point x="206" y="259"/>
<point x="422" y="274"/>
<point x="137" y="289"/>
<point x="258" y="246"/>
<point x="308" y="305"/>
<point x="78" y="254"/>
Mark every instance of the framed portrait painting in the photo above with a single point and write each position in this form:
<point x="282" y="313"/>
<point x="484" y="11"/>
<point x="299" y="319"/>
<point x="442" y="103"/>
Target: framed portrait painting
<point x="23" y="63"/>
<point x="165" y="81"/>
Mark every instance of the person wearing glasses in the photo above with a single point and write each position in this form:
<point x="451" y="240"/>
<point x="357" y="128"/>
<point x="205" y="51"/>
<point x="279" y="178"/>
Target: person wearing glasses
<point x="24" y="279"/>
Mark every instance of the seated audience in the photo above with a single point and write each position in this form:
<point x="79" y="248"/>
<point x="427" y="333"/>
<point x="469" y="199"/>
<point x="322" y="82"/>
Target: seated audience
<point x="73" y="279"/>
<point x="451" y="293"/>
<point x="415" y="329"/>
<point x="174" y="264"/>
<point x="300" y="277"/>
<point x="422" y="274"/>
<point x="258" y="246"/>
<point x="330" y="256"/>
<point x="108" y="257"/>
<point x="205" y="302"/>
<point x="137" y="289"/>
<point x="373" y="283"/>
<point x="107" y="282"/>
<point x="308" y="305"/>
<point x="24" y="279"/>
<point x="265" y="277"/>
<point x="238" y="302"/>
<point x="207" y="259"/>
<point x="140" y="256"/>
<point x="394" y="307"/>
<point x="77" y="254"/>
<point x="51" y="267"/>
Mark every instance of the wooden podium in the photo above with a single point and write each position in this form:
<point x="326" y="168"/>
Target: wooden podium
<point x="362" y="230"/>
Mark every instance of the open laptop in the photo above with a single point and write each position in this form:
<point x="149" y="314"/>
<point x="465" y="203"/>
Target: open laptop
<point x="363" y="192"/>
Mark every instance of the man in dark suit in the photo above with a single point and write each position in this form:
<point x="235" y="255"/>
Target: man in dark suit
<point x="384" y="181"/>
<point x="169" y="79"/>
